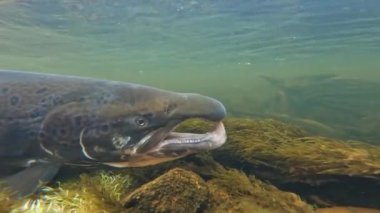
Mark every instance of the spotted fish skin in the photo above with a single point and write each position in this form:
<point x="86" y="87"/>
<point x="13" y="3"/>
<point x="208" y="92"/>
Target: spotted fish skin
<point x="26" y="100"/>
<point x="47" y="121"/>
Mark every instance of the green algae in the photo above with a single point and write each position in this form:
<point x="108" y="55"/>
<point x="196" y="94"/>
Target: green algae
<point x="99" y="192"/>
<point x="288" y="152"/>
<point x="177" y="190"/>
<point x="233" y="191"/>
<point x="181" y="190"/>
<point x="318" y="168"/>
<point x="6" y="201"/>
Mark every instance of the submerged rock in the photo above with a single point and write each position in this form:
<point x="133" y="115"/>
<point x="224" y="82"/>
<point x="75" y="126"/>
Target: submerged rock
<point x="293" y="161"/>
<point x="233" y="191"/>
<point x="180" y="190"/>
<point x="175" y="191"/>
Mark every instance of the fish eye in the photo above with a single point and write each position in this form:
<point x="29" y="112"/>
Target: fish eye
<point x="141" y="121"/>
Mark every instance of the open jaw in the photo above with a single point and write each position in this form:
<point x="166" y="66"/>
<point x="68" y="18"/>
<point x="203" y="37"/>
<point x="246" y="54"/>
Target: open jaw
<point x="176" y="141"/>
<point x="167" y="142"/>
<point x="164" y="144"/>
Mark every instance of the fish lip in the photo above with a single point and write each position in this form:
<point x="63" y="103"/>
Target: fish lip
<point x="168" y="140"/>
<point x="215" y="138"/>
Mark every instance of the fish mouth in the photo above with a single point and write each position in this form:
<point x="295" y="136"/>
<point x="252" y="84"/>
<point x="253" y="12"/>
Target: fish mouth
<point x="170" y="143"/>
<point x="162" y="145"/>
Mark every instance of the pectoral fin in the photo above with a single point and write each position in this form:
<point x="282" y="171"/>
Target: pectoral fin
<point x="30" y="179"/>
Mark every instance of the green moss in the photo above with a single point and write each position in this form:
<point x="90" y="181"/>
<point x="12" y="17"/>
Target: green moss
<point x="6" y="202"/>
<point x="314" y="167"/>
<point x="232" y="191"/>
<point x="289" y="152"/>
<point x="100" y="192"/>
<point x="178" y="190"/>
<point x="227" y="190"/>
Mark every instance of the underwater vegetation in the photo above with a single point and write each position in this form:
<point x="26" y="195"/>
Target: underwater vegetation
<point x="265" y="166"/>
<point x="328" y="105"/>
<point x="97" y="192"/>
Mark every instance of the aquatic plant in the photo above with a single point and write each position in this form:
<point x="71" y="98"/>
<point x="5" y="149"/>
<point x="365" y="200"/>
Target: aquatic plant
<point x="100" y="192"/>
<point x="317" y="168"/>
<point x="175" y="191"/>
<point x="6" y="202"/>
<point x="181" y="190"/>
<point x="232" y="190"/>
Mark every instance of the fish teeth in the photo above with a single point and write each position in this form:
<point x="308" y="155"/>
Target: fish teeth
<point x="191" y="141"/>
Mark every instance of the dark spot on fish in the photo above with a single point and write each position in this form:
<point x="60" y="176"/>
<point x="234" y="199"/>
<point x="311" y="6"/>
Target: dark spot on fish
<point x="14" y="100"/>
<point x="35" y="114"/>
<point x="78" y="120"/>
<point x="5" y="90"/>
<point x="41" y="135"/>
<point x="148" y="115"/>
<point x="54" y="132"/>
<point x="31" y="135"/>
<point x="63" y="132"/>
<point x="101" y="100"/>
<point x="105" y="128"/>
<point x="64" y="144"/>
<point x="42" y="90"/>
<point x="82" y="99"/>
<point x="57" y="100"/>
<point x="43" y="100"/>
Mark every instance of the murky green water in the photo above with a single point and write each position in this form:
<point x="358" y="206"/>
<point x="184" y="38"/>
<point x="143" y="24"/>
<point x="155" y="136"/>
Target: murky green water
<point x="218" y="48"/>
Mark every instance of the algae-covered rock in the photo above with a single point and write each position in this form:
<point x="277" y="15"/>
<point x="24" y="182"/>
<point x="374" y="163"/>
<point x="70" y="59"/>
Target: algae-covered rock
<point x="180" y="190"/>
<point x="319" y="169"/>
<point x="288" y="153"/>
<point x="176" y="191"/>
<point x="233" y="191"/>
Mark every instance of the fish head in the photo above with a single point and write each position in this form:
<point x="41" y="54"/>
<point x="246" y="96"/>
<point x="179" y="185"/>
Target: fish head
<point x="136" y="128"/>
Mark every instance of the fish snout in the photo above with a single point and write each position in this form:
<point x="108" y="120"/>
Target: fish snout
<point x="199" y="106"/>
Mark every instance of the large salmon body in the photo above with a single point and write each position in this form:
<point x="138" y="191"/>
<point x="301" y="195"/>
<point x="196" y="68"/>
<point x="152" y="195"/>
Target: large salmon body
<point x="50" y="120"/>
